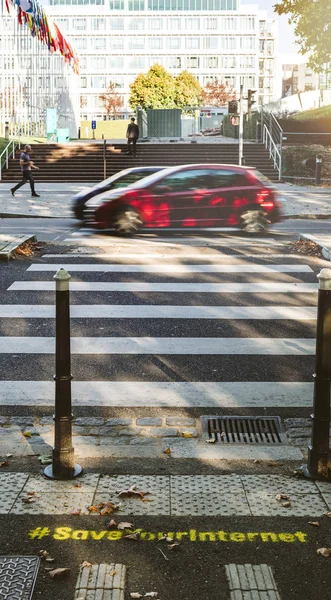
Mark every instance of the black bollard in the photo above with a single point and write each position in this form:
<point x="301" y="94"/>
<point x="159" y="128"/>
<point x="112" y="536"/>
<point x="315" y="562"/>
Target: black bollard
<point x="63" y="465"/>
<point x="319" y="455"/>
<point x="318" y="170"/>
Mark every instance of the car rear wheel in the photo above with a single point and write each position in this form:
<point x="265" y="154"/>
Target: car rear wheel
<point x="127" y="221"/>
<point x="254" y="221"/>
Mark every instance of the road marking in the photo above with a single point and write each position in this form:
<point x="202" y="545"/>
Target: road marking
<point x="244" y="579"/>
<point x="184" y="241"/>
<point x="172" y="268"/>
<point x="141" y="311"/>
<point x="163" y="345"/>
<point x="220" y="288"/>
<point x="138" y="256"/>
<point x="225" y="394"/>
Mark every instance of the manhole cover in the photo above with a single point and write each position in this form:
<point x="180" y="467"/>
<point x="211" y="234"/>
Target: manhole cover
<point x="17" y="576"/>
<point x="243" y="430"/>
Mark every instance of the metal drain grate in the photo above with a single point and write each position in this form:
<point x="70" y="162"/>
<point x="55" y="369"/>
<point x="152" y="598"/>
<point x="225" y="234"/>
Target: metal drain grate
<point x="17" y="576"/>
<point x="243" y="430"/>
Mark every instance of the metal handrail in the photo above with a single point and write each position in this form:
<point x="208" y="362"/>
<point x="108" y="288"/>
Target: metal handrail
<point x="7" y="156"/>
<point x="274" y="151"/>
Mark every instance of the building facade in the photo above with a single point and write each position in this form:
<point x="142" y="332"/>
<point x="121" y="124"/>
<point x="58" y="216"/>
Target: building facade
<point x="32" y="80"/>
<point x="212" y="39"/>
<point x="298" y="77"/>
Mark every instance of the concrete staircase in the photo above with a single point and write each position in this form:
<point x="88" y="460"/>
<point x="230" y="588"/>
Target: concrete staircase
<point x="83" y="162"/>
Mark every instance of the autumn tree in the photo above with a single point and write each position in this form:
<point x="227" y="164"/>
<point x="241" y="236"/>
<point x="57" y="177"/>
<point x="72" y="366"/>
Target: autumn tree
<point x="188" y="90"/>
<point x="312" y="21"/>
<point x="111" y="100"/>
<point x="217" y="93"/>
<point x="156" y="89"/>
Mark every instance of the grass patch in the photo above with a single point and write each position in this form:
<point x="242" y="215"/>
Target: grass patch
<point x="324" y="112"/>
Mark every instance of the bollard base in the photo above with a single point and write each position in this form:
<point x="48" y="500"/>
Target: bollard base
<point x="306" y="473"/>
<point x="65" y="475"/>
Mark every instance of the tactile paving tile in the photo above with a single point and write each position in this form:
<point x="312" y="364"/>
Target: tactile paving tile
<point x="11" y="484"/>
<point x="53" y="503"/>
<point x="277" y="484"/>
<point x="157" y="486"/>
<point x="208" y="495"/>
<point x="39" y="484"/>
<point x="101" y="582"/>
<point x="17" y="576"/>
<point x="263" y="504"/>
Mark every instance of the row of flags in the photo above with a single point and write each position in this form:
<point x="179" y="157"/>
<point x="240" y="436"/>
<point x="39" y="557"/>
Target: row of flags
<point x="48" y="33"/>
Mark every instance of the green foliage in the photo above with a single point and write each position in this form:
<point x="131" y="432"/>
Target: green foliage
<point x="156" y="89"/>
<point x="312" y="21"/>
<point x="293" y="157"/>
<point x="188" y="90"/>
<point x="316" y="113"/>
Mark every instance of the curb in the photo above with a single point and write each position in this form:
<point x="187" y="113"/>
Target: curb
<point x="326" y="252"/>
<point x="5" y="215"/>
<point x="7" y="251"/>
<point x="311" y="217"/>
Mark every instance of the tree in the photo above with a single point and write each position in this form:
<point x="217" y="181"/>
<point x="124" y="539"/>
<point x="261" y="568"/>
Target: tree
<point x="188" y="90"/>
<point x="217" y="93"/>
<point x="156" y="89"/>
<point x="312" y="20"/>
<point x="111" y="100"/>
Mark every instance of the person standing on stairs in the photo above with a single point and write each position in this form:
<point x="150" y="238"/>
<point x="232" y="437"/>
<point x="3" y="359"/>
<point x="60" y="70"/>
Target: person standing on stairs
<point x="26" y="166"/>
<point x="132" y="135"/>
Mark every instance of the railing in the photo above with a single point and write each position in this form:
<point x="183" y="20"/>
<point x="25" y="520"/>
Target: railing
<point x="275" y="151"/>
<point x="6" y="153"/>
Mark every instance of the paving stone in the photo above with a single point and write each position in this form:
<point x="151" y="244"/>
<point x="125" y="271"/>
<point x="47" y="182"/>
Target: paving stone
<point x="22" y="421"/>
<point x="53" y="503"/>
<point x="297" y="422"/>
<point x="180" y="422"/>
<point x="81" y="430"/>
<point x="302" y="505"/>
<point x="114" y="422"/>
<point x="89" y="421"/>
<point x="277" y="484"/>
<point x="103" y="431"/>
<point x="85" y="483"/>
<point x="298" y="432"/>
<point x="115" y="441"/>
<point x="46" y="421"/>
<point x="32" y="430"/>
<point x="164" y="432"/>
<point x="300" y="442"/>
<point x="12" y="484"/>
<point x="4" y="421"/>
<point x="149" y="421"/>
<point x="209" y="495"/>
<point x="144" y="441"/>
<point x="132" y="431"/>
<point x="158" y="487"/>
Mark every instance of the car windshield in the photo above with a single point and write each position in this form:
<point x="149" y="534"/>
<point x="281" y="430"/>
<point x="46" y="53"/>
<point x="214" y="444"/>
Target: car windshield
<point x="125" y="180"/>
<point x="262" y="178"/>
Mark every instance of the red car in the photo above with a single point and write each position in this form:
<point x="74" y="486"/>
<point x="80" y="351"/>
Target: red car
<point x="192" y="196"/>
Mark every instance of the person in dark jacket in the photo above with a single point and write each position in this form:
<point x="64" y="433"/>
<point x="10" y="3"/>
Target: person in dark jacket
<point x="132" y="135"/>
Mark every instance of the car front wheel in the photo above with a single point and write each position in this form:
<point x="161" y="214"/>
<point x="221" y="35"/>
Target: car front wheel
<point x="254" y="221"/>
<point x="127" y="221"/>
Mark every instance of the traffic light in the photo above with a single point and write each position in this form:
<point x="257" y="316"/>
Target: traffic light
<point x="233" y="107"/>
<point x="250" y="102"/>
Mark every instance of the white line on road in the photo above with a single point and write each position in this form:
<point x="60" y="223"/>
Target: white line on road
<point x="172" y="268"/>
<point x="141" y="311"/>
<point x="220" y="288"/>
<point x="166" y="255"/>
<point x="225" y="394"/>
<point x="163" y="345"/>
<point x="184" y="241"/>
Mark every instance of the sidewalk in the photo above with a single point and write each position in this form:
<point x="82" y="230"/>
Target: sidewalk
<point x="322" y="241"/>
<point x="55" y="201"/>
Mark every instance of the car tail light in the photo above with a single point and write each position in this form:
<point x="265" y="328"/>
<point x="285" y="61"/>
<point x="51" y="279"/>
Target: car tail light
<point x="265" y="199"/>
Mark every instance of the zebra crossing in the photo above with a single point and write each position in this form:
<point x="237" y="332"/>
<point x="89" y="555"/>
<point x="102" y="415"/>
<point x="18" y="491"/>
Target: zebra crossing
<point x="213" y="329"/>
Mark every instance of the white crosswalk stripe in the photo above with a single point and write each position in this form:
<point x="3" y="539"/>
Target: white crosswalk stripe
<point x="279" y="278"/>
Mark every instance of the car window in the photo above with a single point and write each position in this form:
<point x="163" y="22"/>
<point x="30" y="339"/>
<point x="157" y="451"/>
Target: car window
<point x="194" y="179"/>
<point x="262" y="178"/>
<point x="221" y="178"/>
<point x="129" y="179"/>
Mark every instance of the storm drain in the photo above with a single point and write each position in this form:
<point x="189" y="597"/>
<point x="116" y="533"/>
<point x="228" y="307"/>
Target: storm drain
<point x="17" y="576"/>
<point x="243" y="430"/>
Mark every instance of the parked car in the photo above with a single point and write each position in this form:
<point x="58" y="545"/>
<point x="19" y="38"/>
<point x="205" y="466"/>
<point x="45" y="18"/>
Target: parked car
<point x="192" y="196"/>
<point x="120" y="179"/>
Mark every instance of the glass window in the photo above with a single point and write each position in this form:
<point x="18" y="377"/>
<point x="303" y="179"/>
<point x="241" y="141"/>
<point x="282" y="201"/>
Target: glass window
<point x="116" y="4"/>
<point x="194" y="179"/>
<point x="117" y="43"/>
<point x="173" y="42"/>
<point x="80" y="24"/>
<point x="136" y="43"/>
<point x="193" y="43"/>
<point x="174" y="62"/>
<point x="99" y="43"/>
<point x="174" y="24"/>
<point x="98" y="62"/>
<point x="210" y="43"/>
<point x="98" y="82"/>
<point x="155" y="43"/>
<point x="117" y="23"/>
<point x="116" y="62"/>
<point x="97" y="24"/>
<point x="155" y="23"/>
<point x="193" y="62"/>
<point x="137" y="24"/>
<point x="192" y="24"/>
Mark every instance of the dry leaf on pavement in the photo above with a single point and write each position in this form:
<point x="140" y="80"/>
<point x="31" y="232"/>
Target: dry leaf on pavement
<point x="131" y="492"/>
<point x="29" y="499"/>
<point x="327" y="514"/>
<point x="281" y="497"/>
<point x="315" y="523"/>
<point x="58" y="573"/>
<point x="324" y="552"/>
<point x="43" y="554"/>
<point x="93" y="509"/>
<point x="124" y="525"/>
<point x="111" y="523"/>
<point x="76" y="512"/>
<point x="4" y="463"/>
<point x="286" y="504"/>
<point x="132" y="536"/>
<point x="136" y="595"/>
<point x="187" y="434"/>
<point x="174" y="546"/>
<point x="86" y="564"/>
<point x="107" y="508"/>
<point x="151" y="595"/>
<point x="167" y="451"/>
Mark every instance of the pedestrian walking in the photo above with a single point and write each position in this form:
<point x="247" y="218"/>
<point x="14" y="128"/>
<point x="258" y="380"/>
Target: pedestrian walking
<point x="132" y="135"/>
<point x="26" y="166"/>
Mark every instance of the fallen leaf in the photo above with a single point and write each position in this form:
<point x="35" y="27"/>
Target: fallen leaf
<point x="187" y="434"/>
<point x="174" y="546"/>
<point x="136" y="595"/>
<point x="167" y="451"/>
<point x="86" y="564"/>
<point x="4" y="463"/>
<point x="256" y="461"/>
<point x="132" y="536"/>
<point x="43" y="554"/>
<point x="164" y="556"/>
<point x="111" y="523"/>
<point x="324" y="552"/>
<point x="281" y="497"/>
<point x="49" y="559"/>
<point x="327" y="514"/>
<point x="147" y="499"/>
<point x="31" y="493"/>
<point x="45" y="460"/>
<point x="27" y="434"/>
<point x="132" y="491"/>
<point x="286" y="504"/>
<point x="29" y="500"/>
<point x="76" y="512"/>
<point x="151" y="595"/>
<point x="107" y="508"/>
<point x="211" y="441"/>
<point x="58" y="573"/>
<point x="124" y="525"/>
<point x="78" y="485"/>
<point x="112" y="573"/>
<point x="93" y="509"/>
<point x="165" y="538"/>
<point x="9" y="455"/>
<point x="315" y="523"/>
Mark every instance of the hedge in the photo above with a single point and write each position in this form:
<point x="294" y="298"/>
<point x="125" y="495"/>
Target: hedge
<point x="293" y="157"/>
<point x="249" y="127"/>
